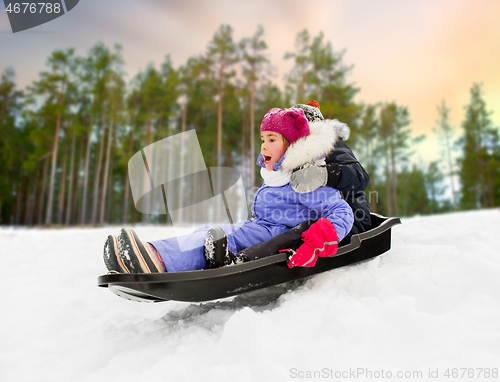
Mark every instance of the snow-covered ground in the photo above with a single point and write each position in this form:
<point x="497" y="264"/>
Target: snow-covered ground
<point x="429" y="305"/>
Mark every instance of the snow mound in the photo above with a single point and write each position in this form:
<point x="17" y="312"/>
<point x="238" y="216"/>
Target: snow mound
<point x="432" y="303"/>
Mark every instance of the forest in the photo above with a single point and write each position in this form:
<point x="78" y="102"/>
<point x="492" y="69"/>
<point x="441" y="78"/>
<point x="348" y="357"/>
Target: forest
<point x="66" y="139"/>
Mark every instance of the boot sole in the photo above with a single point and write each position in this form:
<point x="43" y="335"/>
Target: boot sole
<point x="134" y="253"/>
<point x="112" y="260"/>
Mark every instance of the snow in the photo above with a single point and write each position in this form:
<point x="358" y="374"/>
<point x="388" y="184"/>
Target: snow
<point x="430" y="304"/>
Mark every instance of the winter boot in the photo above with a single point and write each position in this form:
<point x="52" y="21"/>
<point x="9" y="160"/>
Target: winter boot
<point x="235" y="258"/>
<point x="215" y="248"/>
<point x="112" y="260"/>
<point x="137" y="256"/>
<point x="216" y="252"/>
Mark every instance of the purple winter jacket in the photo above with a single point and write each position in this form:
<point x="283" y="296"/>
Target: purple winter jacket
<point x="276" y="209"/>
<point x="285" y="207"/>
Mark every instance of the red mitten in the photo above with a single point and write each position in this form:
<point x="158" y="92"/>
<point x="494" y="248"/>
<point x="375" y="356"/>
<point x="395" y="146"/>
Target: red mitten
<point x="320" y="240"/>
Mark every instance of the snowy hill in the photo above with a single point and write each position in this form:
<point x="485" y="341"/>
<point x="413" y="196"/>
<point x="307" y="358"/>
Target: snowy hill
<point x="430" y="304"/>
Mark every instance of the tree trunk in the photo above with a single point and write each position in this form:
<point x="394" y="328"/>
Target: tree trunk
<point x="452" y="183"/>
<point x="107" y="164"/>
<point x="48" y="217"/>
<point x="367" y="152"/>
<point x="34" y="219"/>
<point x="159" y="130"/>
<point x="19" y="197"/>
<point x="145" y="217"/>
<point x="405" y="175"/>
<point x="69" y="207"/>
<point x="127" y="187"/>
<point x="482" y="188"/>
<point x="184" y="115"/>
<point x="244" y="160"/>
<point x="109" y="203"/>
<point x="30" y="200"/>
<point x="76" y="210"/>
<point x="302" y="86"/>
<point x="62" y="189"/>
<point x="86" y="172"/>
<point x="148" y="131"/>
<point x="373" y="202"/>
<point x="42" y="193"/>
<point x="387" y="186"/>
<point x="181" y="183"/>
<point x="491" y="202"/>
<point x="252" y="134"/>
<point x="394" y="181"/>
<point x="219" y="118"/>
<point x="219" y="138"/>
<point x="482" y="203"/>
<point x="317" y="86"/>
<point x="97" y="176"/>
<point x="2" y="109"/>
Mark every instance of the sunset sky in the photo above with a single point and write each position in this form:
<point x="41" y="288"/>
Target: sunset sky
<point x="415" y="53"/>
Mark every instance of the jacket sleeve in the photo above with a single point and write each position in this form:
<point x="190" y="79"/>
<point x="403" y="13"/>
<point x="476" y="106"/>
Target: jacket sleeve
<point x="353" y="177"/>
<point x="328" y="203"/>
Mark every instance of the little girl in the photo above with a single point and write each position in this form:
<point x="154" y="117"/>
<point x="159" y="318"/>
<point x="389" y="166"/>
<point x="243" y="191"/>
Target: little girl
<point x="288" y="142"/>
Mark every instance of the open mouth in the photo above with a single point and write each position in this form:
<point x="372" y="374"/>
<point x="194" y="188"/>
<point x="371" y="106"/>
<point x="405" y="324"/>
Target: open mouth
<point x="267" y="159"/>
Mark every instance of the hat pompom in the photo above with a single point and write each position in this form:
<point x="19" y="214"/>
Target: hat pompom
<point x="313" y="103"/>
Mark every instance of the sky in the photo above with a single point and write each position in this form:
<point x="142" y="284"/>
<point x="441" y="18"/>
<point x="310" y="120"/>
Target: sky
<point x="416" y="53"/>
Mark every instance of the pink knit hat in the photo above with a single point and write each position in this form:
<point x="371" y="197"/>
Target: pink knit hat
<point x="291" y="123"/>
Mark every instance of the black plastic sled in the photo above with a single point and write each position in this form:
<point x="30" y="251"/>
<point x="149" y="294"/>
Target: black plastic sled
<point x="211" y="284"/>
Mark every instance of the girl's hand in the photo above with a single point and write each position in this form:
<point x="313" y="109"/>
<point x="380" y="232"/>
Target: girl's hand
<point x="320" y="240"/>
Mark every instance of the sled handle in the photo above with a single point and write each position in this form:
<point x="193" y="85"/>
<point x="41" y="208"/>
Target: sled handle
<point x="354" y="244"/>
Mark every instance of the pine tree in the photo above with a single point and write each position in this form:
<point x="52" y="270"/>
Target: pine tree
<point x="413" y="197"/>
<point x="445" y="131"/>
<point x="55" y="85"/>
<point x="433" y="181"/>
<point x="301" y="59"/>
<point x="115" y="94"/>
<point x="12" y="145"/>
<point x="170" y="91"/>
<point x="479" y="164"/>
<point x="133" y="101"/>
<point x="222" y="54"/>
<point x="255" y="60"/>
<point x="369" y="126"/>
<point x="368" y="133"/>
<point x="319" y="73"/>
<point x="395" y="143"/>
<point x="94" y="77"/>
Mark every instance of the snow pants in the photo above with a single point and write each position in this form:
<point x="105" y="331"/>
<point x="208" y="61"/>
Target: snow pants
<point x="185" y="253"/>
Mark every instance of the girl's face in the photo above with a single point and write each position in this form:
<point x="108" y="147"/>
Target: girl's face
<point x="272" y="148"/>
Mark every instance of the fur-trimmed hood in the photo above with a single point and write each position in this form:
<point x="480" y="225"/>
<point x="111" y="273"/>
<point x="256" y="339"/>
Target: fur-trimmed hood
<point x="316" y="145"/>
